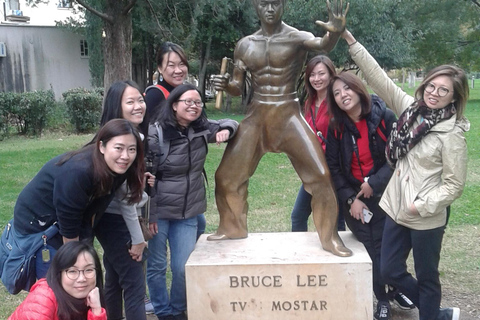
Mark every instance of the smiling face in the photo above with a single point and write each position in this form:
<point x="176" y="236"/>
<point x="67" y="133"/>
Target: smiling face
<point x="440" y="84"/>
<point x="186" y="114"/>
<point x="81" y="287"/>
<point x="269" y="11"/>
<point x="347" y="99"/>
<point x="173" y="69"/>
<point x="133" y="105"/>
<point x="119" y="152"/>
<point x="319" y="78"/>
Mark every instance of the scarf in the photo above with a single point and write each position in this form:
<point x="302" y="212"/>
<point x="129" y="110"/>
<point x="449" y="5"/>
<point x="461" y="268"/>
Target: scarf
<point x="404" y="137"/>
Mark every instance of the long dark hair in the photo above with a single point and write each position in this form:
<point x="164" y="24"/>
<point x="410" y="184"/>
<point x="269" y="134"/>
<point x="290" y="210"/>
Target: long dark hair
<point x="112" y="106"/>
<point x="311" y="64"/>
<point x="70" y="308"/>
<point x="165" y="49"/>
<point x="167" y="116"/>
<point x="339" y="117"/>
<point x="102" y="175"/>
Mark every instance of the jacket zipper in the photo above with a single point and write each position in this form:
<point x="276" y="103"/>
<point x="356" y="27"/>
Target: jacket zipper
<point x="188" y="179"/>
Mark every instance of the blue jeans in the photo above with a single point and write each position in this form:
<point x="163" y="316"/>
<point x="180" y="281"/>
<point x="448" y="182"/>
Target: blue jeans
<point x="202" y="224"/>
<point x="181" y="236"/>
<point x="424" y="291"/>
<point x="302" y="209"/>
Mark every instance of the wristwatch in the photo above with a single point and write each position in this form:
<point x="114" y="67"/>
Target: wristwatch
<point x="350" y="200"/>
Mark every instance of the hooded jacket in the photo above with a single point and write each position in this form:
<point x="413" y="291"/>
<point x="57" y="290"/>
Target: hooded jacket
<point x="180" y="189"/>
<point x="433" y="174"/>
<point x="340" y="151"/>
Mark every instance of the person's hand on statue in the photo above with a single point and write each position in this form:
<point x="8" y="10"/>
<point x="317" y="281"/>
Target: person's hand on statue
<point x="336" y="17"/>
<point x="348" y="36"/>
<point x="222" y="136"/>
<point x="356" y="209"/>
<point x="220" y="82"/>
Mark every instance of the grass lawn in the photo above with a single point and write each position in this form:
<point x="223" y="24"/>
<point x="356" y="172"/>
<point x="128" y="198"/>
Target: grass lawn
<point x="272" y="192"/>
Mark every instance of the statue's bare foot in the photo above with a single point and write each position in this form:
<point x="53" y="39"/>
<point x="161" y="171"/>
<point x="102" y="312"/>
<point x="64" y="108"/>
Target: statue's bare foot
<point x="337" y="249"/>
<point x="217" y="236"/>
<point x="223" y="236"/>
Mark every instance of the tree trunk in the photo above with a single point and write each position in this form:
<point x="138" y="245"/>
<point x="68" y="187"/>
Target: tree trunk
<point x="202" y="73"/>
<point x="117" y="46"/>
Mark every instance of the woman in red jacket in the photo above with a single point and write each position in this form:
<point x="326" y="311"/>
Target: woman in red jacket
<point x="73" y="289"/>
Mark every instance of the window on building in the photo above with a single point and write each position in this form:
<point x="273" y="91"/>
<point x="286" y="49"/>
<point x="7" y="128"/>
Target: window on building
<point x="83" y="48"/>
<point x="64" y="4"/>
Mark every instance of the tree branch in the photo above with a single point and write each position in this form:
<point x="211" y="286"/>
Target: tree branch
<point x="476" y="2"/>
<point x="156" y="18"/>
<point x="128" y="7"/>
<point x="94" y="11"/>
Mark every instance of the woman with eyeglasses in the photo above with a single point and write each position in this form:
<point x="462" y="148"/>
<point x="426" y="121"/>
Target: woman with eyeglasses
<point x="73" y="289"/>
<point x="180" y="192"/>
<point x="428" y="150"/>
<point x="172" y="66"/>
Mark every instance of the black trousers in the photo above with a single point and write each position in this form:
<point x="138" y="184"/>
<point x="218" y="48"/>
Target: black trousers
<point x="124" y="277"/>
<point x="370" y="234"/>
<point x="425" y="290"/>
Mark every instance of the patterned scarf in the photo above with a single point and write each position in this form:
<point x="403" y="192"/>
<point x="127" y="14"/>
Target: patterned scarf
<point x="403" y="137"/>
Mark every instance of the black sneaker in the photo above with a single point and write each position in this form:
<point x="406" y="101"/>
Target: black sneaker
<point x="403" y="302"/>
<point x="383" y="311"/>
<point x="449" y="314"/>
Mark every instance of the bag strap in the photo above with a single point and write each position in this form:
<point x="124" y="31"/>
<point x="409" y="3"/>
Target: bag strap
<point x="164" y="145"/>
<point x="165" y="92"/>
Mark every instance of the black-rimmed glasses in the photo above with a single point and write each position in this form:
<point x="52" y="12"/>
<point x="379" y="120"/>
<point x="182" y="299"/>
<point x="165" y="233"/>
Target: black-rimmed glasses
<point x="442" y="92"/>
<point x="73" y="274"/>
<point x="190" y="102"/>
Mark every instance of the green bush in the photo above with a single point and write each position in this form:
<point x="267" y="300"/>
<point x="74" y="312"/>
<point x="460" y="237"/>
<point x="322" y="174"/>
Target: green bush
<point x="84" y="107"/>
<point x="27" y="111"/>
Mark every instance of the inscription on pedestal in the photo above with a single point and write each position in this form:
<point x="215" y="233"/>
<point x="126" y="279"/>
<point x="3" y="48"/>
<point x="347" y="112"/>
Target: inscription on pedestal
<point x="278" y="276"/>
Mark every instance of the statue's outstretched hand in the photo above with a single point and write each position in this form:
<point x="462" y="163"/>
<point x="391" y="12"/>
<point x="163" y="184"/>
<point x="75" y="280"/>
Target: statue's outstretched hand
<point x="336" y="17"/>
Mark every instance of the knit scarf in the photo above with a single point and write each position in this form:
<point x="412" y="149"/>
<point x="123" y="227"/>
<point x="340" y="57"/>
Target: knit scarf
<point x="404" y="137"/>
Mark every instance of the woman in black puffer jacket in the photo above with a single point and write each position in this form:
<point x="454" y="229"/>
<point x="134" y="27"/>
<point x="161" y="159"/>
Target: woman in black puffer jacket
<point x="182" y="131"/>
<point x="356" y="157"/>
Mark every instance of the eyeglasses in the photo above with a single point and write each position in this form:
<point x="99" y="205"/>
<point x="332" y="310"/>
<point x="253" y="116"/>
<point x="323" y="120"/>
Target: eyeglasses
<point x="189" y="102"/>
<point x="442" y="92"/>
<point x="73" y="274"/>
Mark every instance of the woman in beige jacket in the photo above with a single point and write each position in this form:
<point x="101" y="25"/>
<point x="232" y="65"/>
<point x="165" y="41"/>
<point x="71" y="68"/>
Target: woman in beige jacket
<point x="428" y="150"/>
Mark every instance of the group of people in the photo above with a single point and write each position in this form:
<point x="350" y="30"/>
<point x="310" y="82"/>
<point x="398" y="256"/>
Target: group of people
<point x="400" y="174"/>
<point x="98" y="191"/>
<point x="365" y="145"/>
<point x="394" y="179"/>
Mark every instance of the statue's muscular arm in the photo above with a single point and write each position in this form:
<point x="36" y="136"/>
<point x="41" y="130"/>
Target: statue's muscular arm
<point x="334" y="27"/>
<point x="234" y="85"/>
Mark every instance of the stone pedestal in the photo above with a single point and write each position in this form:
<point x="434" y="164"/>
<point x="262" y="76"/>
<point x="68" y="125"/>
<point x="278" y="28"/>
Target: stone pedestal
<point x="278" y="276"/>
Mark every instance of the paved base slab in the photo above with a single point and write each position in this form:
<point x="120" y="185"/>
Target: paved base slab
<point x="278" y="276"/>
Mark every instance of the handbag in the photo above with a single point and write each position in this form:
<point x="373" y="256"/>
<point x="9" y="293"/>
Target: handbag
<point x="143" y="219"/>
<point x="18" y="256"/>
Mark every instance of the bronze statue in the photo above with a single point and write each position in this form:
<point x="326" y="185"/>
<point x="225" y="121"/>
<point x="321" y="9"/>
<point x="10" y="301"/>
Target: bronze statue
<point x="275" y="55"/>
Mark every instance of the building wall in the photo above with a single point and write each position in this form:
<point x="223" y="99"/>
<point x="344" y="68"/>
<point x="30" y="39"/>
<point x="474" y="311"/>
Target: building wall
<point x="45" y="14"/>
<point x="40" y="58"/>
